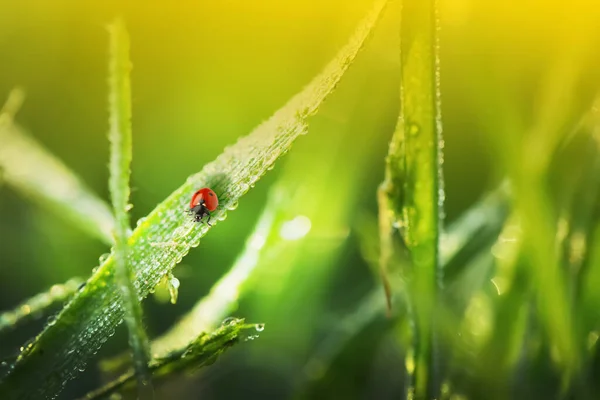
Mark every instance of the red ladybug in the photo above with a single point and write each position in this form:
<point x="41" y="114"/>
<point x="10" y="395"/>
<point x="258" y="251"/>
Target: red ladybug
<point x="203" y="202"/>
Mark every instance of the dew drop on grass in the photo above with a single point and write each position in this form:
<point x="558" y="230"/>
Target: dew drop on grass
<point x="173" y="284"/>
<point x="180" y="231"/>
<point x="140" y="221"/>
<point x="195" y="242"/>
<point x="259" y="327"/>
<point x="221" y="217"/>
<point x="229" y="321"/>
<point x="102" y="259"/>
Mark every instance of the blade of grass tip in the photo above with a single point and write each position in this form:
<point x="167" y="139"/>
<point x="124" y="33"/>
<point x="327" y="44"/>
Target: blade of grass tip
<point x="200" y="352"/>
<point x="120" y="170"/>
<point x="32" y="171"/>
<point x="62" y="349"/>
<point x="39" y="304"/>
<point x="412" y="194"/>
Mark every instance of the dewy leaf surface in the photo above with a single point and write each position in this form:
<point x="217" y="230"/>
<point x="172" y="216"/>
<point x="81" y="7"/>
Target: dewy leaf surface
<point x="38" y="305"/>
<point x="166" y="235"/>
<point x="119" y="135"/>
<point x="411" y="197"/>
<point x="202" y="351"/>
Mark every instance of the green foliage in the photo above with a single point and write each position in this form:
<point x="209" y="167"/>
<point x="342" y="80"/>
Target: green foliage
<point x="412" y="194"/>
<point x="39" y="304"/>
<point x="120" y="171"/>
<point x="166" y="235"/>
<point x="500" y="303"/>
<point x="466" y="239"/>
<point x="200" y="352"/>
<point x="31" y="170"/>
<point x="209" y="311"/>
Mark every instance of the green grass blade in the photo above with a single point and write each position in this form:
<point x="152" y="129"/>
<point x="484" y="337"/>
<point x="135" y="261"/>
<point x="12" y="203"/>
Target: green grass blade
<point x="466" y="239"/>
<point x="29" y="169"/>
<point x="223" y="296"/>
<point x="200" y="352"/>
<point x="166" y="235"/>
<point x="478" y="228"/>
<point x="39" y="304"/>
<point x="120" y="171"/>
<point x="340" y="338"/>
<point x="529" y="174"/>
<point x="411" y="197"/>
<point x="583" y="218"/>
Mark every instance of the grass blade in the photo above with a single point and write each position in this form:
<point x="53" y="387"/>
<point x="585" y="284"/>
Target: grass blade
<point x="215" y="306"/>
<point x="529" y="175"/>
<point x="38" y="304"/>
<point x="411" y="196"/>
<point x="29" y="169"/>
<point x="582" y="218"/>
<point x="200" y="352"/>
<point x="465" y="240"/>
<point x="162" y="238"/>
<point x="478" y="228"/>
<point x="120" y="171"/>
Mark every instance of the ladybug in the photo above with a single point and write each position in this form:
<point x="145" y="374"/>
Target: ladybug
<point x="203" y="202"/>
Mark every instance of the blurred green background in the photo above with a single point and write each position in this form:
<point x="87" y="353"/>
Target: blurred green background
<point x="207" y="72"/>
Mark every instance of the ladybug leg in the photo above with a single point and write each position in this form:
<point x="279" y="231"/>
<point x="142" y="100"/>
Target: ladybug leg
<point x="208" y="221"/>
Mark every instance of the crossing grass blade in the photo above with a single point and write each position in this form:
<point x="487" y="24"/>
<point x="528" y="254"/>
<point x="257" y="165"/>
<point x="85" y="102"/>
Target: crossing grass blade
<point x="120" y="171"/>
<point x="28" y="168"/>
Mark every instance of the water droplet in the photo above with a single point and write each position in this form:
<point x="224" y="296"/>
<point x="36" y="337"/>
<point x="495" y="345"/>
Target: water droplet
<point x="102" y="259"/>
<point x="229" y="321"/>
<point x="221" y="217"/>
<point x="173" y="288"/>
<point x="233" y="206"/>
<point x="128" y="207"/>
<point x="259" y="327"/>
<point x="251" y="337"/>
<point x="140" y="221"/>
